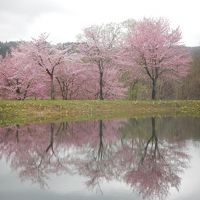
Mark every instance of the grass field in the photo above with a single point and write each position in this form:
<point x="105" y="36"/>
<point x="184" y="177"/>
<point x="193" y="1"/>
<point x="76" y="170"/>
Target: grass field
<point x="41" y="111"/>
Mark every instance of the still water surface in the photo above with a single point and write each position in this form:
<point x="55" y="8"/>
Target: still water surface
<point x="153" y="158"/>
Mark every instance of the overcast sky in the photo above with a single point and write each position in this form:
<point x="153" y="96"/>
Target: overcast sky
<point x="64" y="19"/>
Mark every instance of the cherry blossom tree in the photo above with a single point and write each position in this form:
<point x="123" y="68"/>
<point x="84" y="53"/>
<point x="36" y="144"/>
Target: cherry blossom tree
<point x="155" y="48"/>
<point x="3" y="78"/>
<point x="113" y="88"/>
<point x="19" y="76"/>
<point x="47" y="57"/>
<point x="98" y="47"/>
<point x="72" y="78"/>
<point x="14" y="80"/>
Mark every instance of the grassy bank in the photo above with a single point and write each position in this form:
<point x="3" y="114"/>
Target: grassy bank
<point x="36" y="111"/>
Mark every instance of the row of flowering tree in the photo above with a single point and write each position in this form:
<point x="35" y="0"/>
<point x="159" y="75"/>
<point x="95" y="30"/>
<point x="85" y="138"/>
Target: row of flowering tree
<point x="93" y="67"/>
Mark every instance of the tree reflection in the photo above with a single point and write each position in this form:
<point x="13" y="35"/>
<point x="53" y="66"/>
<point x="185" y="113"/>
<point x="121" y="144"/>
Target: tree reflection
<point x="95" y="159"/>
<point x="158" y="167"/>
<point x="36" y="151"/>
<point x="31" y="151"/>
<point x="99" y="150"/>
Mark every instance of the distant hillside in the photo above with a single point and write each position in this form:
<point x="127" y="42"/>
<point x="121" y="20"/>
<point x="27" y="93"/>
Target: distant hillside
<point x="6" y="46"/>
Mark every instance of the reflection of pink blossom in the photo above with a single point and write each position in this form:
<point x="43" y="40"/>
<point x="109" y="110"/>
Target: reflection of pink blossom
<point x="37" y="150"/>
<point x="97" y="150"/>
<point x="157" y="168"/>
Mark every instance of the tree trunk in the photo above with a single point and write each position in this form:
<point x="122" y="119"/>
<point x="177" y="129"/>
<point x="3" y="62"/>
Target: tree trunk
<point x="25" y="92"/>
<point x="101" y="86"/>
<point x="52" y="88"/>
<point x="153" y="96"/>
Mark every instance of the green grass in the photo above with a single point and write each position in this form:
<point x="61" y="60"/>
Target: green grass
<point x="41" y="111"/>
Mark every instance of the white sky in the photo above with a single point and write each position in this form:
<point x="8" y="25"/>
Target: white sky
<point x="64" y="19"/>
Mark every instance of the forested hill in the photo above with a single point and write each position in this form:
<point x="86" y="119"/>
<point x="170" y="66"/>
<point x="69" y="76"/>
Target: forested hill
<point x="191" y="85"/>
<point x="6" y="46"/>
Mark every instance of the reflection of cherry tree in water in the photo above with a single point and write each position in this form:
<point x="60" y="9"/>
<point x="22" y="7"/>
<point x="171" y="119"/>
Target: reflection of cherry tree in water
<point x="32" y="151"/>
<point x="122" y="160"/>
<point x="96" y="161"/>
<point x="158" y="168"/>
<point x="150" y="167"/>
<point x="95" y="150"/>
<point x="36" y="151"/>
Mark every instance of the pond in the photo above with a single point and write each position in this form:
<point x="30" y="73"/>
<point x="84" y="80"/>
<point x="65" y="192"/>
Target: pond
<point x="148" y="158"/>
